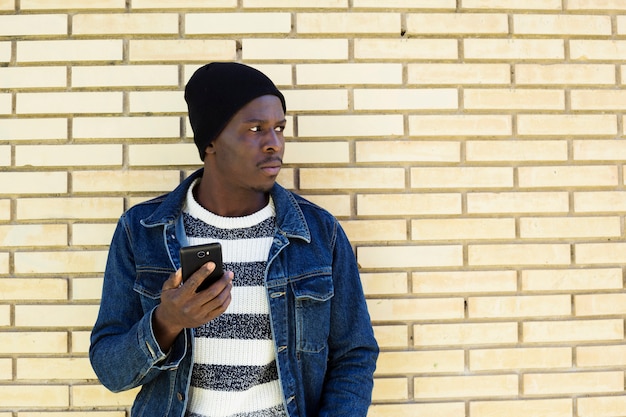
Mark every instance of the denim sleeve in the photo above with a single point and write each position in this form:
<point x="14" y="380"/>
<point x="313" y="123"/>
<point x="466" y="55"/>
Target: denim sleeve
<point x="124" y="352"/>
<point x="353" y="350"/>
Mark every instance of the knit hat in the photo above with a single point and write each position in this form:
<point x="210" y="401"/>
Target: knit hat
<point x="216" y="91"/>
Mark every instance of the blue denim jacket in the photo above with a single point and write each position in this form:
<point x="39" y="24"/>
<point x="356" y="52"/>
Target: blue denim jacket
<point x="325" y="348"/>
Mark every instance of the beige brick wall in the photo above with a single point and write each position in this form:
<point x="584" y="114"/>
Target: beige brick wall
<point x="471" y="149"/>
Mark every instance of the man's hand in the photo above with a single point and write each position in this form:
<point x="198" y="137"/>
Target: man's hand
<point x="182" y="307"/>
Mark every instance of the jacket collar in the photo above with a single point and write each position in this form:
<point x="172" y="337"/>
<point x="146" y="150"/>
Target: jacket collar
<point x="289" y="216"/>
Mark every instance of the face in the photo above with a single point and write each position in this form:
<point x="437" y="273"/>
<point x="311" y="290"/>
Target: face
<point x="247" y="155"/>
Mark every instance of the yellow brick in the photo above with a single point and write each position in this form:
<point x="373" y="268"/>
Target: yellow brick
<point x="98" y="396"/>
<point x="4" y="263"/>
<point x="5" y="209"/>
<point x="565" y="74"/>
<point x="458" y="282"/>
<point x="81" y="102"/>
<point x="599" y="150"/>
<point x="527" y="150"/>
<point x="461" y="177"/>
<point x="71" y="4"/>
<point x="316" y="100"/>
<point x="341" y="74"/>
<point x="6" y="369"/>
<point x="572" y="279"/>
<point x="415" y="309"/>
<point x="33" y="129"/>
<point x="33" y="77"/>
<point x="350" y="125"/>
<point x="69" y="208"/>
<point x="589" y="406"/>
<point x="406" y="49"/>
<point x="598" y="253"/>
<point x="5" y="315"/>
<point x="522" y="408"/>
<point x="410" y="151"/>
<point x="600" y="201"/>
<point x="425" y="4"/>
<point x="444" y="409"/>
<point x="33" y="289"/>
<point x="80" y="341"/>
<point x="157" y="102"/>
<point x="29" y="25"/>
<point x="409" y="256"/>
<point x="519" y="306"/>
<point x="76" y="50"/>
<point x="344" y="23"/>
<point x="385" y="283"/>
<point x="519" y="254"/>
<point x="92" y="234"/>
<point x="524" y="99"/>
<point x="126" y="127"/>
<point x="126" y="23"/>
<point x="54" y="368"/>
<point x="568" y="176"/>
<point x="356" y="178"/>
<point x="6" y="104"/>
<point x="387" y="389"/>
<point x="5" y="155"/>
<point x="59" y="262"/>
<point x="373" y="230"/>
<point x="391" y="336"/>
<point x="295" y="49"/>
<point x="513" y="4"/>
<point x="420" y="362"/>
<point x="598" y="100"/>
<point x="124" y="181"/>
<point x="73" y="414"/>
<point x="5" y="51"/>
<point x="579" y="125"/>
<point x="86" y="289"/>
<point x="594" y="356"/>
<point x="569" y="383"/>
<point x="237" y="23"/>
<point x="548" y="24"/>
<point x="33" y="182"/>
<point x="572" y="331"/>
<point x="21" y="396"/>
<point x="597" y="50"/>
<point x="464" y="334"/>
<point x="175" y="154"/>
<point x="569" y="227"/>
<point x="406" y="99"/>
<point x="124" y="76"/>
<point x="599" y="304"/>
<point x="514" y="49"/>
<point x="466" y="73"/>
<point x="520" y="358"/>
<point x="295" y="4"/>
<point x="165" y="4"/>
<point x="72" y="155"/>
<point x="517" y="202"/>
<point x="33" y="342"/>
<point x="460" y="125"/>
<point x="462" y="229"/>
<point x="338" y="205"/>
<point x="174" y="50"/>
<point x="457" y="23"/>
<point x="408" y="204"/>
<point x="317" y="153"/>
<point x="454" y="387"/>
<point x="55" y="315"/>
<point x="7" y="5"/>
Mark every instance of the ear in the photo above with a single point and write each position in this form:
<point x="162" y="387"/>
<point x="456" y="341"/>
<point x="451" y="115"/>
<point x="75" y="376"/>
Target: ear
<point x="210" y="149"/>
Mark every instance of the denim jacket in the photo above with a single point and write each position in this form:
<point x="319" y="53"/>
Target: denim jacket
<point x="325" y="349"/>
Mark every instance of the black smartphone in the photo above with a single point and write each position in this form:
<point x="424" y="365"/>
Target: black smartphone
<point x="193" y="257"/>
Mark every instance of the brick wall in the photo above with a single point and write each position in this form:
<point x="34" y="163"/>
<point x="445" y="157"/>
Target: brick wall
<point x="473" y="150"/>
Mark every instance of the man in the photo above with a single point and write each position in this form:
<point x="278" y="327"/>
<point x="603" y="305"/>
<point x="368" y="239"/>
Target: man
<point x="285" y="331"/>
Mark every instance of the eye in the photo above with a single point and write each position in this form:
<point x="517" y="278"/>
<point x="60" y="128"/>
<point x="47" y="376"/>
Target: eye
<point x="279" y="128"/>
<point x="255" y="129"/>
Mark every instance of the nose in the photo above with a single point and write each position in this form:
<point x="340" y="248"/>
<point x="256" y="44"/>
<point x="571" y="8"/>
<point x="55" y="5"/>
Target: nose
<point x="274" y="141"/>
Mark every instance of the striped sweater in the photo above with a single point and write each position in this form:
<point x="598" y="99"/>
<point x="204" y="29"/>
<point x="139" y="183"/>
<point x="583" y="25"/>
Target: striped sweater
<point x="234" y="372"/>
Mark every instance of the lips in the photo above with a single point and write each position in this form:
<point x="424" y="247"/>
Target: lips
<point x="271" y="166"/>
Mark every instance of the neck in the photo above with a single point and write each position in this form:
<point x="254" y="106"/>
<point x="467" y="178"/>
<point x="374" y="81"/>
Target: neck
<point x="233" y="205"/>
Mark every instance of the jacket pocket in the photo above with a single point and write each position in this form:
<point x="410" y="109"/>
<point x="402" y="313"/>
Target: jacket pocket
<point x="148" y="284"/>
<point x="313" y="296"/>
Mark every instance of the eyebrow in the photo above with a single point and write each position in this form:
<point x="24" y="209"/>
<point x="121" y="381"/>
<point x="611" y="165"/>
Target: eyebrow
<point x="262" y="121"/>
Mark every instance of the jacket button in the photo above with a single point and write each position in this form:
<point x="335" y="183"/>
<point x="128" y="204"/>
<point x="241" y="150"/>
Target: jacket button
<point x="179" y="396"/>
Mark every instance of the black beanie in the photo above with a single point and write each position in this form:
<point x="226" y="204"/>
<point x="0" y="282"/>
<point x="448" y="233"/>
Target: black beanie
<point x="216" y="91"/>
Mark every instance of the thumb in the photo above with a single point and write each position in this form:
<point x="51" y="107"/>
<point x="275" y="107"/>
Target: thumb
<point x="174" y="280"/>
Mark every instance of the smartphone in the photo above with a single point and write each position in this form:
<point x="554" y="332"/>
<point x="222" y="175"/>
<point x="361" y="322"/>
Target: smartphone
<point x="193" y="257"/>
